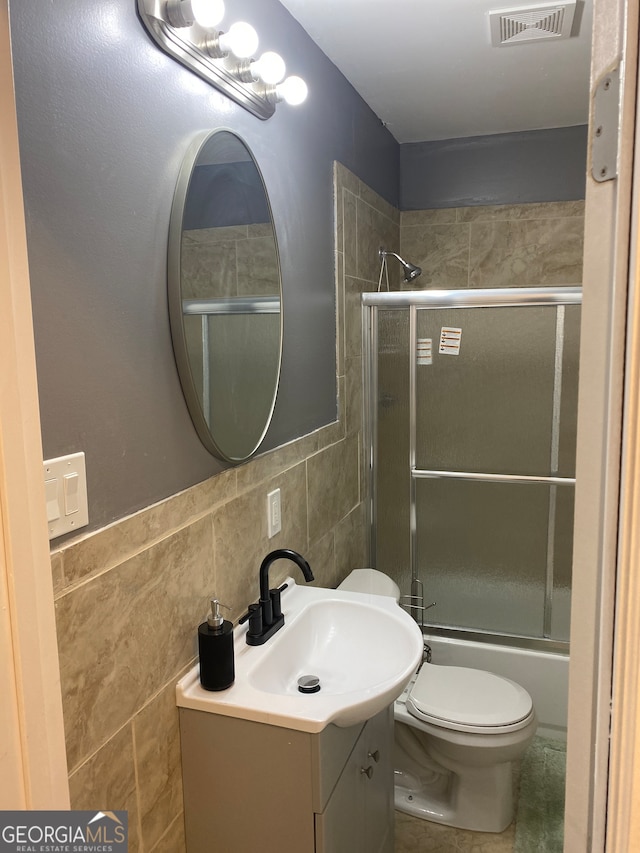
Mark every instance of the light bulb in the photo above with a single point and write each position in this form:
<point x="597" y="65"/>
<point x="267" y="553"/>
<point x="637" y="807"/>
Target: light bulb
<point x="207" y="13"/>
<point x="293" y="90"/>
<point x="241" y="40"/>
<point x="183" y="13"/>
<point x="270" y="68"/>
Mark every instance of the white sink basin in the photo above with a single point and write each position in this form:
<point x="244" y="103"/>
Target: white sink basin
<point x="363" y="648"/>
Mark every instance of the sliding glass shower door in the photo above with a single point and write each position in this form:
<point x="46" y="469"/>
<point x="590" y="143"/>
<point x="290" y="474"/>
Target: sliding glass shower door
<point x="472" y="404"/>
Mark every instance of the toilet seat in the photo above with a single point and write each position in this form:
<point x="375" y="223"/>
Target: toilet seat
<point x="468" y="700"/>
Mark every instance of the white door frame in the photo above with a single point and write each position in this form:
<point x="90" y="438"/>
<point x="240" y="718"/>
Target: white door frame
<point x="591" y="819"/>
<point x="623" y="824"/>
<point x="33" y="769"/>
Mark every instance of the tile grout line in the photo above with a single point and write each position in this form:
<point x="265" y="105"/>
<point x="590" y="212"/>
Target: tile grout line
<point x="136" y="776"/>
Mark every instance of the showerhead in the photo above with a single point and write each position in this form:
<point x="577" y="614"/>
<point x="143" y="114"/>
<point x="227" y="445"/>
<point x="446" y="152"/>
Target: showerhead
<point x="411" y="271"/>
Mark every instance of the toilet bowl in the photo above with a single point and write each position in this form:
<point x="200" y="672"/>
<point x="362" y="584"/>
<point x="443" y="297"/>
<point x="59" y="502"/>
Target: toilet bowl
<point x="457" y="733"/>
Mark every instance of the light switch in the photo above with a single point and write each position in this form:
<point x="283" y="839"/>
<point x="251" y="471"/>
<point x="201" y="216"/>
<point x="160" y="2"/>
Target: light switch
<point x="71" y="486"/>
<point x="66" y="494"/>
<point x="53" y="505"/>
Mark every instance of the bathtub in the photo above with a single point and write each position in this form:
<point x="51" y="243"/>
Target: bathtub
<point x="544" y="675"/>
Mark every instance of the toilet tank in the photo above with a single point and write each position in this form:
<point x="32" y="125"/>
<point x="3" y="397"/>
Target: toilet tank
<point x="371" y="581"/>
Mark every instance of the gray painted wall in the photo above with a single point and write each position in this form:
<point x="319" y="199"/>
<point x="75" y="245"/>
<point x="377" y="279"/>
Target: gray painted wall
<point x="506" y="168"/>
<point x="105" y="118"/>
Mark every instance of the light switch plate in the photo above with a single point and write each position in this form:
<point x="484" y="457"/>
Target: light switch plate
<point x="66" y="492"/>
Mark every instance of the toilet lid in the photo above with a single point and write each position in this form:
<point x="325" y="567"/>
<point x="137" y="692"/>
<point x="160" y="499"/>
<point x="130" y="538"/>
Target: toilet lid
<point x="467" y="697"/>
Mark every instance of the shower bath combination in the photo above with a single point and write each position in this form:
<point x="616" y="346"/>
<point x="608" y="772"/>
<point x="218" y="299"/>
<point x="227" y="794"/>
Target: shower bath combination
<point x="471" y="479"/>
<point x="411" y="271"/>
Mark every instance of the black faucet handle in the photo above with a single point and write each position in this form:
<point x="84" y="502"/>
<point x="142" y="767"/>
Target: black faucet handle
<point x="255" y="620"/>
<point x="276" y="604"/>
<point x="254" y="615"/>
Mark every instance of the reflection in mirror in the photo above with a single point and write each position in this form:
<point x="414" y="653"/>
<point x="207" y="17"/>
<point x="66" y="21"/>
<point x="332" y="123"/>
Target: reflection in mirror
<point x="225" y="295"/>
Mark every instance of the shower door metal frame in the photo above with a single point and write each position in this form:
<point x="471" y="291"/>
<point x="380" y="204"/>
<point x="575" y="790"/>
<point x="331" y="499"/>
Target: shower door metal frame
<point x="219" y="307"/>
<point x="414" y="301"/>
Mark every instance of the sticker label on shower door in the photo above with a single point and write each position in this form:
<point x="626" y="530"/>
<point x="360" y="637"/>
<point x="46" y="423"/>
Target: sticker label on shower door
<point x="450" y="341"/>
<point x="424" y="351"/>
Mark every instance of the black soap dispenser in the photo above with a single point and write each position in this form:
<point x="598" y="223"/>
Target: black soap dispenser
<point x="215" y="645"/>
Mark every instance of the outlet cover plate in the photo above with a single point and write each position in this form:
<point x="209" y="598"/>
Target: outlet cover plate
<point x="274" y="513"/>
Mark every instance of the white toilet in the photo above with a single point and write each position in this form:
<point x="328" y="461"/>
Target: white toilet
<point x="457" y="732"/>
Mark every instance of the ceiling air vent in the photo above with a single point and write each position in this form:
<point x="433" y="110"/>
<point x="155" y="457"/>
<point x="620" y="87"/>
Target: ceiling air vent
<point x="531" y="23"/>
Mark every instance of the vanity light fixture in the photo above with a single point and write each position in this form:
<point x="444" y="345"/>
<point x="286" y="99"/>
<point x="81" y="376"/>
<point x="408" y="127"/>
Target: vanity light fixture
<point x="188" y="31"/>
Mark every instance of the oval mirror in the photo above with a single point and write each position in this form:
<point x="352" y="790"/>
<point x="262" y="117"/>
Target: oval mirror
<point x="225" y="295"/>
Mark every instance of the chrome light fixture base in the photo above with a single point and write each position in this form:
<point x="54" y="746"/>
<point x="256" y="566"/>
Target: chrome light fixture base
<point x="185" y="44"/>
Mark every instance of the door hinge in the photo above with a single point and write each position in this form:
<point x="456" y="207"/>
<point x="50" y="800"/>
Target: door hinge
<point x="606" y="125"/>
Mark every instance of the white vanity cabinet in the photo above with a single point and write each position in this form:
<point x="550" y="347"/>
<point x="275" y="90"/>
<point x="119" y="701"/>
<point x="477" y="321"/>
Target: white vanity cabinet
<point x="249" y="785"/>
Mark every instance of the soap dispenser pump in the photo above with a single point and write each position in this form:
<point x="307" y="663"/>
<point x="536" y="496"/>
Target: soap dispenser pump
<point x="215" y="645"/>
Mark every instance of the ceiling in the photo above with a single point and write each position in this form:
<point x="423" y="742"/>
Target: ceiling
<point x="428" y="70"/>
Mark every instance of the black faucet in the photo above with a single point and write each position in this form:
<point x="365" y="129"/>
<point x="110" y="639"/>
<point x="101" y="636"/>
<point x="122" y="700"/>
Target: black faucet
<point x="266" y="617"/>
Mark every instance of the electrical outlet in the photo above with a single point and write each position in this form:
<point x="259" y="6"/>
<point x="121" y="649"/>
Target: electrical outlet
<point x="274" y="513"/>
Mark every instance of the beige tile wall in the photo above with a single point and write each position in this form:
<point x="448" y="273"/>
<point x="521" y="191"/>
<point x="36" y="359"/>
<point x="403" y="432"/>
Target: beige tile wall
<point x="244" y="258"/>
<point x="517" y="245"/>
<point x="129" y="597"/>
